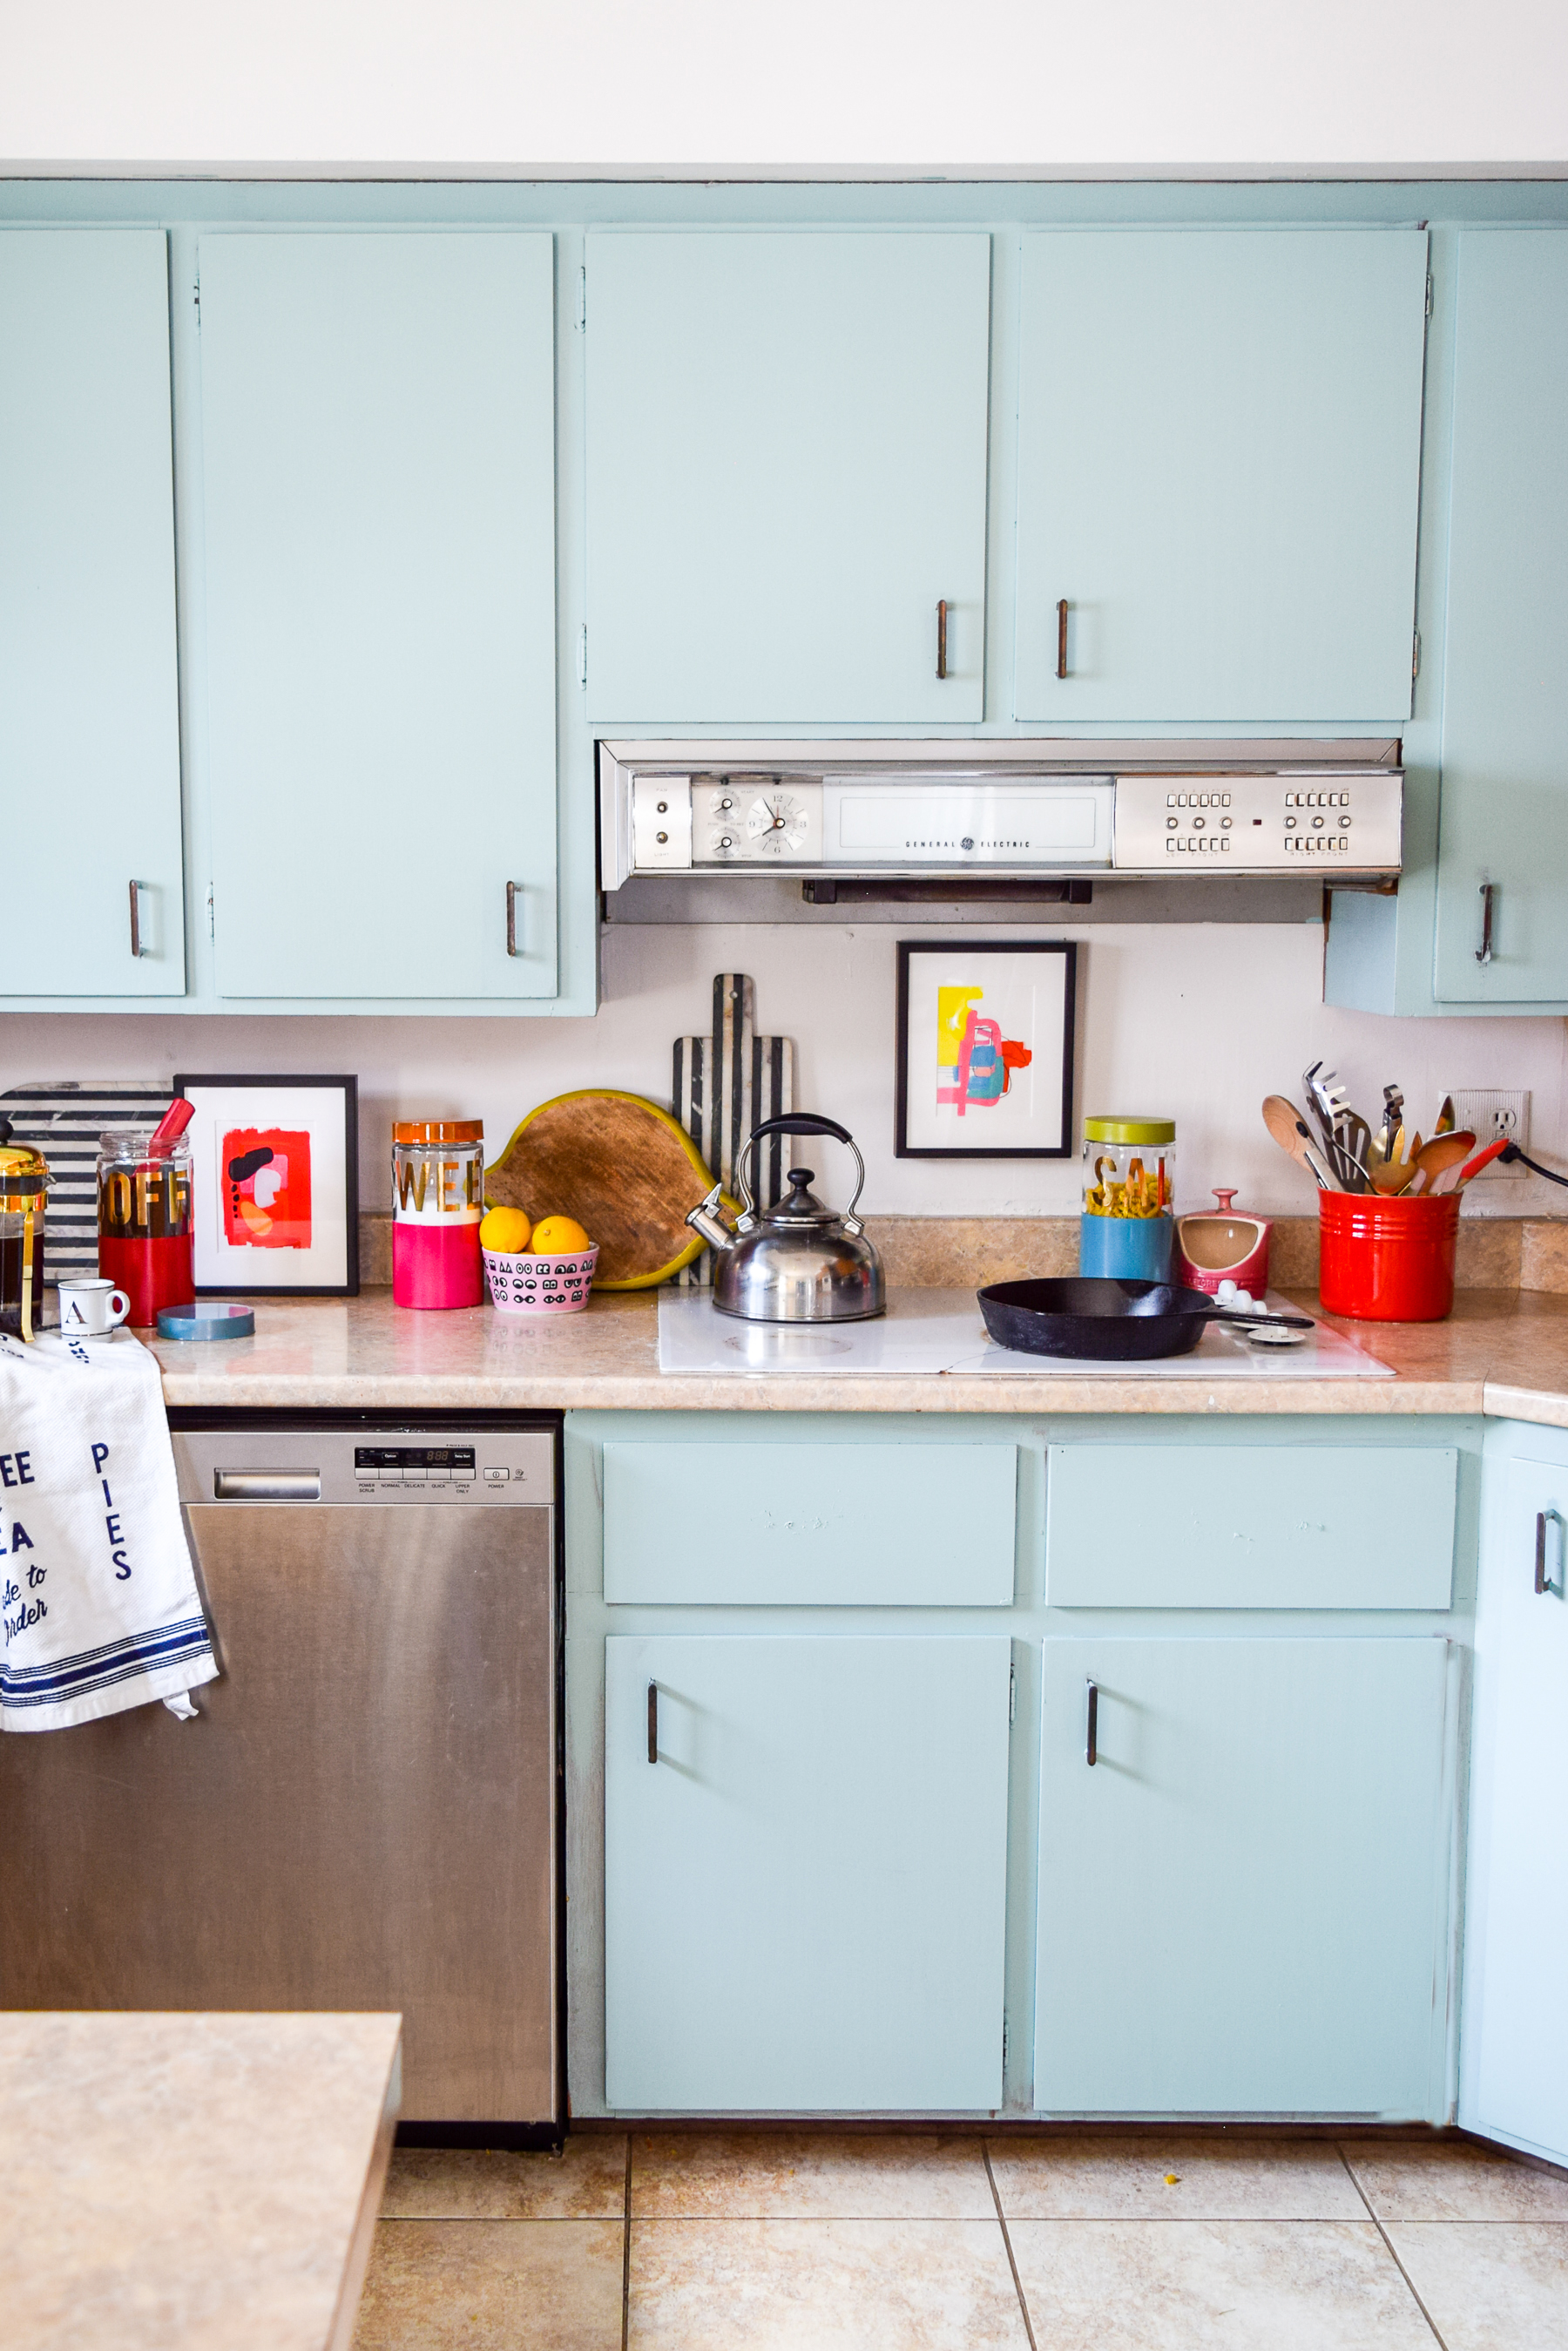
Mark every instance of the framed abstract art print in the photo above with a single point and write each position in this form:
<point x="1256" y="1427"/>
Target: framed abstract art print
<point x="985" y="1050"/>
<point x="274" y="1181"/>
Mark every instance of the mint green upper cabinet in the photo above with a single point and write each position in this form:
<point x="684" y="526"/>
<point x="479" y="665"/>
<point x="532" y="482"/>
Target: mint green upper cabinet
<point x="1504" y="753"/>
<point x="378" y="436"/>
<point x="1219" y="469"/>
<point x="1242" y="1901"/>
<point x="89" y="720"/>
<point x="786" y="472"/>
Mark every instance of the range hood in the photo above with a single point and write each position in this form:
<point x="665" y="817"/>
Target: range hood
<point x="999" y="810"/>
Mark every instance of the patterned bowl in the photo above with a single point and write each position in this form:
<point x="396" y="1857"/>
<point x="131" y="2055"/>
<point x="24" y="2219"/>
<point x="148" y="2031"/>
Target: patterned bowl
<point x="539" y="1285"/>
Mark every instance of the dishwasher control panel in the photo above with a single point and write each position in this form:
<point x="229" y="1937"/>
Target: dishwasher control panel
<point x="303" y="1467"/>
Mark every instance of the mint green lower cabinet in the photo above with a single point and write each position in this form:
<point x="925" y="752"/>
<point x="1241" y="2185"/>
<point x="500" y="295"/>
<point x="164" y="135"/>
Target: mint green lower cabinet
<point x="1513" y="2040"/>
<point x="805" y="1895"/>
<point x="1242" y="1903"/>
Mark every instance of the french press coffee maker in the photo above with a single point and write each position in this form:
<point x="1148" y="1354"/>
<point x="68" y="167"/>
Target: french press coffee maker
<point x="24" y="1182"/>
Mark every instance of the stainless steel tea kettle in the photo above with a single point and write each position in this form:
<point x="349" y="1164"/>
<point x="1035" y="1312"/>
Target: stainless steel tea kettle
<point x="797" y="1262"/>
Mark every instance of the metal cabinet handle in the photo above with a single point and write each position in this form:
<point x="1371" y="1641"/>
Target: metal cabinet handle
<point x="1543" y="1583"/>
<point x="653" y="1722"/>
<point x="942" y="638"/>
<point x="136" y="947"/>
<point x="1062" y="638"/>
<point x="1092" y="1732"/>
<point x="1483" y="953"/>
<point x="267" y="1485"/>
<point x="511" y="890"/>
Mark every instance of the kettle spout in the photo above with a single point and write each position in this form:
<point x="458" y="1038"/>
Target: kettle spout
<point x="705" y="1219"/>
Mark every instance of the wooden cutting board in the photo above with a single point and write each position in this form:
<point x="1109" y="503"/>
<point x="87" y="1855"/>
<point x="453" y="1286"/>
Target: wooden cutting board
<point x="622" y="1167"/>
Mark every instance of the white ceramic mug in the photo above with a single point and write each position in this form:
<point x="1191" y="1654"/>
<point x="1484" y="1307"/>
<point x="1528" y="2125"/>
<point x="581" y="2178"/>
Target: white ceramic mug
<point x="91" y="1306"/>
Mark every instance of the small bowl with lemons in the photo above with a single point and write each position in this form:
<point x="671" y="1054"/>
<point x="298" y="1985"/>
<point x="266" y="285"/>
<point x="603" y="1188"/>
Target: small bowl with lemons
<point x="542" y="1268"/>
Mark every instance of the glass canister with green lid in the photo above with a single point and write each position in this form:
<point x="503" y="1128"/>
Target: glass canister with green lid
<point x="1130" y="1193"/>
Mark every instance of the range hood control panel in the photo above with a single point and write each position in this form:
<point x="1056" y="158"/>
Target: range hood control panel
<point x="833" y="810"/>
<point x="1339" y="822"/>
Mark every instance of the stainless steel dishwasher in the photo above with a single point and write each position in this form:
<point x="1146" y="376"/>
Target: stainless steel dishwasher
<point x="365" y="1815"/>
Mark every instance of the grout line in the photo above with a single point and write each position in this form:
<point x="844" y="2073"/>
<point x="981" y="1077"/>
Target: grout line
<point x="625" y="2254"/>
<point x="1389" y="2242"/>
<point x="1013" y="2265"/>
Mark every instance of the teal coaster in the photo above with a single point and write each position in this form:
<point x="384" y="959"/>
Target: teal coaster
<point x="201" y="1320"/>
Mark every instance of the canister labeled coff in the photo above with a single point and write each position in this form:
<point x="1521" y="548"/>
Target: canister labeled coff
<point x="437" y="1200"/>
<point x="144" y="1238"/>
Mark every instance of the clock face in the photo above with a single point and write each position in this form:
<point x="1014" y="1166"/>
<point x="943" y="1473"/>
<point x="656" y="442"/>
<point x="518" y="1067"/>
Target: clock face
<point x="776" y="824"/>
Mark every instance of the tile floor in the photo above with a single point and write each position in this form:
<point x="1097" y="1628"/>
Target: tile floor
<point x="828" y="2242"/>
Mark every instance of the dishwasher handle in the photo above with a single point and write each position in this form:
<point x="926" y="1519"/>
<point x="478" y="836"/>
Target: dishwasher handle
<point x="267" y="1485"/>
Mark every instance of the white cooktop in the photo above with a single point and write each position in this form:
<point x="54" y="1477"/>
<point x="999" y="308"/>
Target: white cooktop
<point x="942" y="1330"/>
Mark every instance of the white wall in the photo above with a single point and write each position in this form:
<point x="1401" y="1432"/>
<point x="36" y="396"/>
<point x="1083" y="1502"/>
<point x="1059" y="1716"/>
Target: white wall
<point x="1008" y="84"/>
<point x="1200" y="1022"/>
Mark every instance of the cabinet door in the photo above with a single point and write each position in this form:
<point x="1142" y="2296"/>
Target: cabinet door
<point x="805" y="1895"/>
<point x="1240" y="1901"/>
<point x="379" y="457"/>
<point x="786" y="467"/>
<point x="89" y="720"/>
<point x="1505" y="761"/>
<point x="1513" y="2066"/>
<point x="1219" y="469"/>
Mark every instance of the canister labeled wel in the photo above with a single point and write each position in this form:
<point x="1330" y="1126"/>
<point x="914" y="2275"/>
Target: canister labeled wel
<point x="144" y="1239"/>
<point x="1129" y="1190"/>
<point x="437" y="1200"/>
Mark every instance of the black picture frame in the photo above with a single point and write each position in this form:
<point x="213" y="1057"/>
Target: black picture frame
<point x="262" y="1082"/>
<point x="908" y="949"/>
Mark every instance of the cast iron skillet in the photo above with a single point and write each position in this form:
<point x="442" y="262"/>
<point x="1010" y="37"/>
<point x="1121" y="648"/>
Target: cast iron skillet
<point x="1098" y="1320"/>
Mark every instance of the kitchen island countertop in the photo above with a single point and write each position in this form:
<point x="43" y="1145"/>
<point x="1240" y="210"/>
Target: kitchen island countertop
<point x="1504" y="1352"/>
<point x="184" y="2180"/>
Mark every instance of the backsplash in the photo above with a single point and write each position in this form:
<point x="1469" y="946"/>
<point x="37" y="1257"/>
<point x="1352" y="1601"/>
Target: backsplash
<point x="1198" y="1021"/>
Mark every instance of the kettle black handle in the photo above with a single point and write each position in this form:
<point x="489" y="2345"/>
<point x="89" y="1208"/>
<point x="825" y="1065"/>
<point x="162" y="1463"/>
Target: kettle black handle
<point x="802" y="1121"/>
<point x="798" y="1122"/>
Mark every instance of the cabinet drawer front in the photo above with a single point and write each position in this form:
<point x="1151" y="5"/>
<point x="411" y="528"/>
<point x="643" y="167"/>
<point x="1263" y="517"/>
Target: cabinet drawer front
<point x="1255" y="1525"/>
<point x="811" y="1524"/>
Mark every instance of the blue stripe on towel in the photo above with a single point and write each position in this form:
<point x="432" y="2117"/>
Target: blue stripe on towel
<point x="73" y="1677"/>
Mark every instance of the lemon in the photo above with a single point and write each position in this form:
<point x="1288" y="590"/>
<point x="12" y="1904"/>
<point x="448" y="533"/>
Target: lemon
<point x="505" y="1231"/>
<point x="559" y="1237"/>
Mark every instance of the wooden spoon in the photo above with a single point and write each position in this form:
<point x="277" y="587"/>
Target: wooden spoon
<point x="1291" y="1132"/>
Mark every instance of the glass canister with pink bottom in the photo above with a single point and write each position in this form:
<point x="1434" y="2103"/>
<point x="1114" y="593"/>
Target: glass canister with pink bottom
<point x="437" y="1200"/>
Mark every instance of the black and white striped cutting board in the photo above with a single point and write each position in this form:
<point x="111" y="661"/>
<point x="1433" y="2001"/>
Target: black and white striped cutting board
<point x="64" y="1122"/>
<point x="726" y="1084"/>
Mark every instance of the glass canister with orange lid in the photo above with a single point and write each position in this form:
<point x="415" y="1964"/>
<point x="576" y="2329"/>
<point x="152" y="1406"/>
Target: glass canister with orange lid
<point x="24" y="1187"/>
<point x="437" y="1200"/>
<point x="1129" y="1196"/>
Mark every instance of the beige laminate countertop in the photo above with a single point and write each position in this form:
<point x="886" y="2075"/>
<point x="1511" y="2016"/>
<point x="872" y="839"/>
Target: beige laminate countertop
<point x="1502" y="1352"/>
<point x="180" y="2180"/>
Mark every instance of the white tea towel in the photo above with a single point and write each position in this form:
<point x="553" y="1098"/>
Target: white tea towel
<point x="100" y="1606"/>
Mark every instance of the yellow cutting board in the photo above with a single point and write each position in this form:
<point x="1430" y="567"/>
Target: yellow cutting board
<point x="623" y="1167"/>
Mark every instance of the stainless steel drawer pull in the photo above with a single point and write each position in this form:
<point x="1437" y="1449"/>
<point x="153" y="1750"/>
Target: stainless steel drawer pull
<point x="1483" y="953"/>
<point x="1091" y="1739"/>
<point x="267" y="1485"/>
<point x="136" y="947"/>
<point x="942" y="638"/>
<point x="1543" y="1583"/>
<point x="653" y="1722"/>
<point x="511" y="890"/>
<point x="1062" y="638"/>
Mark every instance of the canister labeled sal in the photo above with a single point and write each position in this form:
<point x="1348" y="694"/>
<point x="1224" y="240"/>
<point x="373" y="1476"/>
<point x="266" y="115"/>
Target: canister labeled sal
<point x="1129" y="1190"/>
<point x="437" y="1200"/>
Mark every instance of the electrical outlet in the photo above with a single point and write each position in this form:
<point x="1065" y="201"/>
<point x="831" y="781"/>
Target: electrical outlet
<point x="1488" y="1115"/>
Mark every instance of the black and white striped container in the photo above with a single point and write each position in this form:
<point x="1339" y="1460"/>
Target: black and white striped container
<point x="64" y="1122"/>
